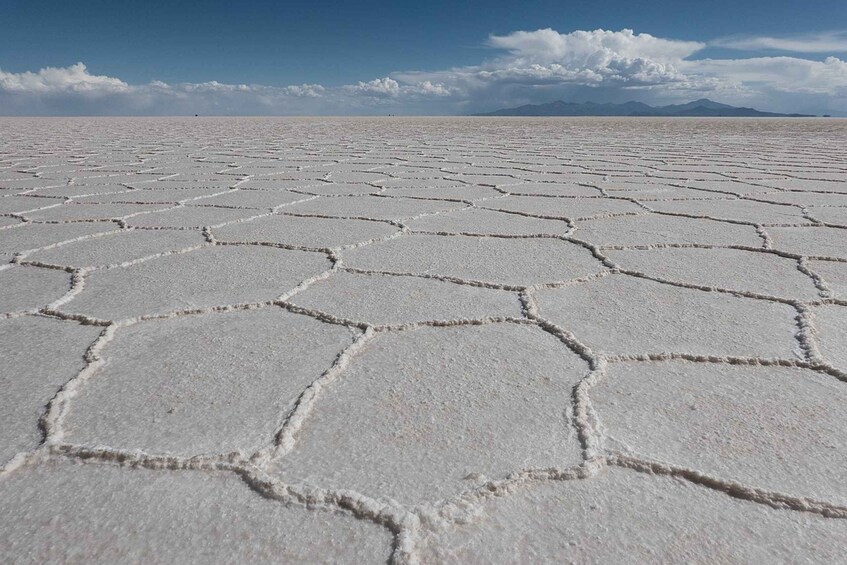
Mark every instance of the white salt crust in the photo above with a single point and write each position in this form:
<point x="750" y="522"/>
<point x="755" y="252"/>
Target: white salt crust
<point x="462" y="340"/>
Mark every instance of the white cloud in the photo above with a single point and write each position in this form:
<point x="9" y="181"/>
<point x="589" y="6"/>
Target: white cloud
<point x="526" y="67"/>
<point x="308" y="90"/>
<point x="543" y="65"/>
<point x="51" y="80"/>
<point x="380" y="87"/>
<point x="591" y="48"/>
<point x="825" y="42"/>
<point x="545" y="58"/>
<point x="781" y="74"/>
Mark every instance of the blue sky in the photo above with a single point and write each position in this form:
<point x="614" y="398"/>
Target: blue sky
<point x="264" y="57"/>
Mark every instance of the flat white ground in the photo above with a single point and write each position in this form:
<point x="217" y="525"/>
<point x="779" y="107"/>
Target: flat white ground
<point x="434" y="340"/>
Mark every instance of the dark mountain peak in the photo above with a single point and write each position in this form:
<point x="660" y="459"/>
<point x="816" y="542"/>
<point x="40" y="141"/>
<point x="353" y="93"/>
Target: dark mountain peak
<point x="697" y="108"/>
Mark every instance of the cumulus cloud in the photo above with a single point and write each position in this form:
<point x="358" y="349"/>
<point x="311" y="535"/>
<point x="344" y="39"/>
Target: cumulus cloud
<point x="427" y="87"/>
<point x="307" y="90"/>
<point x="591" y="48"/>
<point x="826" y="42"/>
<point x="380" y="87"/>
<point x="524" y="67"/>
<point x="52" y="80"/>
<point x="388" y="87"/>
<point x="542" y="63"/>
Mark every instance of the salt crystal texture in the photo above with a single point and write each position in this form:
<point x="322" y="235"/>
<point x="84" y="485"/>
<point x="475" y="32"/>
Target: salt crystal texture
<point x="423" y="340"/>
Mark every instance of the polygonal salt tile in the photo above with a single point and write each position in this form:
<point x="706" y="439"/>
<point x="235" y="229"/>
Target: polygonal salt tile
<point x="775" y="428"/>
<point x="430" y="175"/>
<point x="741" y="174"/>
<point x="412" y="184"/>
<point x="279" y="184"/>
<point x="565" y="177"/>
<point x="148" y="195"/>
<point x="813" y="185"/>
<point x="39" y="356"/>
<point x="469" y="193"/>
<point x="830" y="215"/>
<point x="305" y="231"/>
<point x="73" y="212"/>
<point x="132" y="179"/>
<point x="805" y="198"/>
<point x="35" y="236"/>
<point x="61" y="512"/>
<point x="736" y="210"/>
<point x="462" y="403"/>
<point x="623" y="516"/>
<point x="375" y="207"/>
<point x="834" y="274"/>
<point x="192" y="217"/>
<point x="653" y="191"/>
<point x="625" y="315"/>
<point x="22" y="203"/>
<point x="392" y="300"/>
<point x="651" y="229"/>
<point x="830" y="322"/>
<point x="212" y="276"/>
<point x="340" y="189"/>
<point x="616" y="168"/>
<point x="811" y="241"/>
<point x="572" y="208"/>
<point x="497" y="180"/>
<point x="25" y="288"/>
<point x="506" y="261"/>
<point x="210" y="185"/>
<point x="731" y="187"/>
<point x="553" y="189"/>
<point x="761" y="273"/>
<point x="29" y="183"/>
<point x="262" y="170"/>
<point x="6" y="221"/>
<point x="355" y="176"/>
<point x="215" y="383"/>
<point x="119" y="247"/>
<point x="497" y="170"/>
<point x="84" y="191"/>
<point x="260" y="199"/>
<point x="483" y="221"/>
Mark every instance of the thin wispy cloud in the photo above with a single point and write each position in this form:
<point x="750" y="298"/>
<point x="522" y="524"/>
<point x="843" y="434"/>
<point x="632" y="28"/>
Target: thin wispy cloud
<point x="824" y="42"/>
<point x="522" y="67"/>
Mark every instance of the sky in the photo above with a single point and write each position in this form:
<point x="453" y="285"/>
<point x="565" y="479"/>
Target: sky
<point x="425" y="57"/>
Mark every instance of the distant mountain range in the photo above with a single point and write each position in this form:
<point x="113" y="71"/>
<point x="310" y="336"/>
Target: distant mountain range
<point x="699" y="108"/>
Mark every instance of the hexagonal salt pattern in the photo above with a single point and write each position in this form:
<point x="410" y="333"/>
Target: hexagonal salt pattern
<point x="61" y="512"/>
<point x="450" y="340"/>
<point x="623" y="315"/>
<point x="207" y="277"/>
<point x="301" y="231"/>
<point x="479" y="259"/>
<point x="602" y="520"/>
<point x="31" y="288"/>
<point x="40" y="355"/>
<point x="463" y="404"/>
<point x="765" y="274"/>
<point x="397" y="300"/>
<point x="777" y="428"/>
<point x="220" y="383"/>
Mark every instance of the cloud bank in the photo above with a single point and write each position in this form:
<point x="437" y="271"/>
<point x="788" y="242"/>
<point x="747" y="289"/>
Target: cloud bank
<point x="525" y="67"/>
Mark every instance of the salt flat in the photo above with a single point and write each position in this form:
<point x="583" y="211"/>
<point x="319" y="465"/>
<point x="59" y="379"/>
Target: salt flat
<point x="423" y="340"/>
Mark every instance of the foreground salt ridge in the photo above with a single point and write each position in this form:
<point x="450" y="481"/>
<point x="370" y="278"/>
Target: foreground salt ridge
<point x="503" y="164"/>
